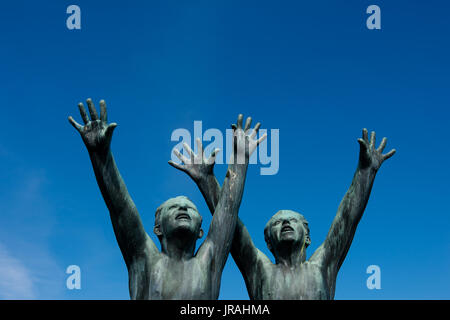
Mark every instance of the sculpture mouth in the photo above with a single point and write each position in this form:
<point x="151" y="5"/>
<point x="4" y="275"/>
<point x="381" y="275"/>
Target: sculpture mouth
<point x="183" y="216"/>
<point x="287" y="229"/>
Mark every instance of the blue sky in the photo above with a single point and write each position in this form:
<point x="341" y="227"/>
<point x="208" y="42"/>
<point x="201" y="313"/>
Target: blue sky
<point x="308" y="68"/>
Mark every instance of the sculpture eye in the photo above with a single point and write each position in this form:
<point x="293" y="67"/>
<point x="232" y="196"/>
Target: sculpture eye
<point x="294" y="220"/>
<point x="277" y="222"/>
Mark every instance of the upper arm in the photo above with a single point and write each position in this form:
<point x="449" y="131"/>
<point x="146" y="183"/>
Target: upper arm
<point x="331" y="253"/>
<point x="223" y="224"/>
<point x="244" y="251"/>
<point x="131" y="236"/>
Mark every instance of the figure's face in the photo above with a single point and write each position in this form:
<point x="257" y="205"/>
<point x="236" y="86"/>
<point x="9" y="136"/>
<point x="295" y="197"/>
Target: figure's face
<point x="180" y="214"/>
<point x="287" y="226"/>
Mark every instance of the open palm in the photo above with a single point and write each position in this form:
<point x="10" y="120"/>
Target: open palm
<point x="96" y="133"/>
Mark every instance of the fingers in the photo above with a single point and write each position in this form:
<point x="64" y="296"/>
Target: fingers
<point x="180" y="156"/>
<point x="382" y="145"/>
<point x="264" y="137"/>
<point x="214" y="153"/>
<point x="365" y="135"/>
<point x="389" y="154"/>
<point x="75" y="124"/>
<point x="212" y="157"/>
<point x="239" y="121"/>
<point x="103" y="113"/>
<point x="176" y="165"/>
<point x="372" y="139"/>
<point x="189" y="150"/>
<point x="83" y="113"/>
<point x="248" y="123"/>
<point x="255" y="130"/>
<point x="199" y="146"/>
<point x="92" y="111"/>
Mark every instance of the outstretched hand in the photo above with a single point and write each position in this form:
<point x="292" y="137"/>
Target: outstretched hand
<point x="369" y="157"/>
<point x="244" y="142"/>
<point x="198" y="167"/>
<point x="96" y="133"/>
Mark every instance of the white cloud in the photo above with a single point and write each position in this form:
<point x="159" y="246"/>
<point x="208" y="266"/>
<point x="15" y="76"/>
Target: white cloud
<point x="28" y="269"/>
<point x="15" y="279"/>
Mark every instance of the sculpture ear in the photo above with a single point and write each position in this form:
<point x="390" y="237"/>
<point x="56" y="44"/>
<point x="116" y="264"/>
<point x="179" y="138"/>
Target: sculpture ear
<point x="307" y="237"/>
<point x="269" y="245"/>
<point x="157" y="230"/>
<point x="307" y="241"/>
<point x="266" y="238"/>
<point x="200" y="234"/>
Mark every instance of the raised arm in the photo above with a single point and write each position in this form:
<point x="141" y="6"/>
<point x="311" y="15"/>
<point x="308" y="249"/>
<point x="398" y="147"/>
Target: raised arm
<point x="332" y="252"/>
<point x="201" y="170"/>
<point x="128" y="228"/>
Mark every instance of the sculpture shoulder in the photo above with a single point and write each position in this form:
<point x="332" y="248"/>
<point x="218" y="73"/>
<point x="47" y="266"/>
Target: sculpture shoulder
<point x="262" y="260"/>
<point x="262" y="266"/>
<point x="322" y="260"/>
<point x="206" y="251"/>
<point x="319" y="257"/>
<point x="149" y="254"/>
<point x="320" y="263"/>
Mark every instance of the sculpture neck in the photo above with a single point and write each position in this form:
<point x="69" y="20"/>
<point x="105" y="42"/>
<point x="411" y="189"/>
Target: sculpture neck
<point x="290" y="255"/>
<point x="178" y="248"/>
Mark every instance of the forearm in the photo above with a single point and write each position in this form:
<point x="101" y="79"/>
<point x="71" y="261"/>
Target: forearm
<point x="349" y="214"/>
<point x="233" y="186"/>
<point x="355" y="200"/>
<point x="242" y="249"/>
<point x="232" y="191"/>
<point x="230" y="195"/>
<point x="225" y="216"/>
<point x="125" y="218"/>
<point x="210" y="189"/>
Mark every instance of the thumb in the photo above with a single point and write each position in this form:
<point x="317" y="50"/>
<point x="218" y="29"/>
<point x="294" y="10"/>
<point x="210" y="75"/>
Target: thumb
<point x="362" y="144"/>
<point x="110" y="129"/>
<point x="176" y="165"/>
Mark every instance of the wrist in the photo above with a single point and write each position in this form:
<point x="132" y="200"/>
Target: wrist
<point x="369" y="170"/>
<point x="206" y="183"/>
<point x="238" y="168"/>
<point x="205" y="178"/>
<point x="99" y="153"/>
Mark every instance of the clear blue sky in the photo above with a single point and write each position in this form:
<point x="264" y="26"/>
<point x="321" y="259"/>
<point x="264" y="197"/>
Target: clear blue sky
<point x="309" y="68"/>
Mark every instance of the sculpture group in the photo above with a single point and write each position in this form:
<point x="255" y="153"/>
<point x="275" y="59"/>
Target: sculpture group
<point x="177" y="271"/>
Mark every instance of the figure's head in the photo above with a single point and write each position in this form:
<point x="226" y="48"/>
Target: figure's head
<point x="178" y="217"/>
<point x="287" y="227"/>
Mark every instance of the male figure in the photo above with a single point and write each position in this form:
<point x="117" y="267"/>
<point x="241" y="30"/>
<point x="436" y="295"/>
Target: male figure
<point x="177" y="272"/>
<point x="291" y="277"/>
